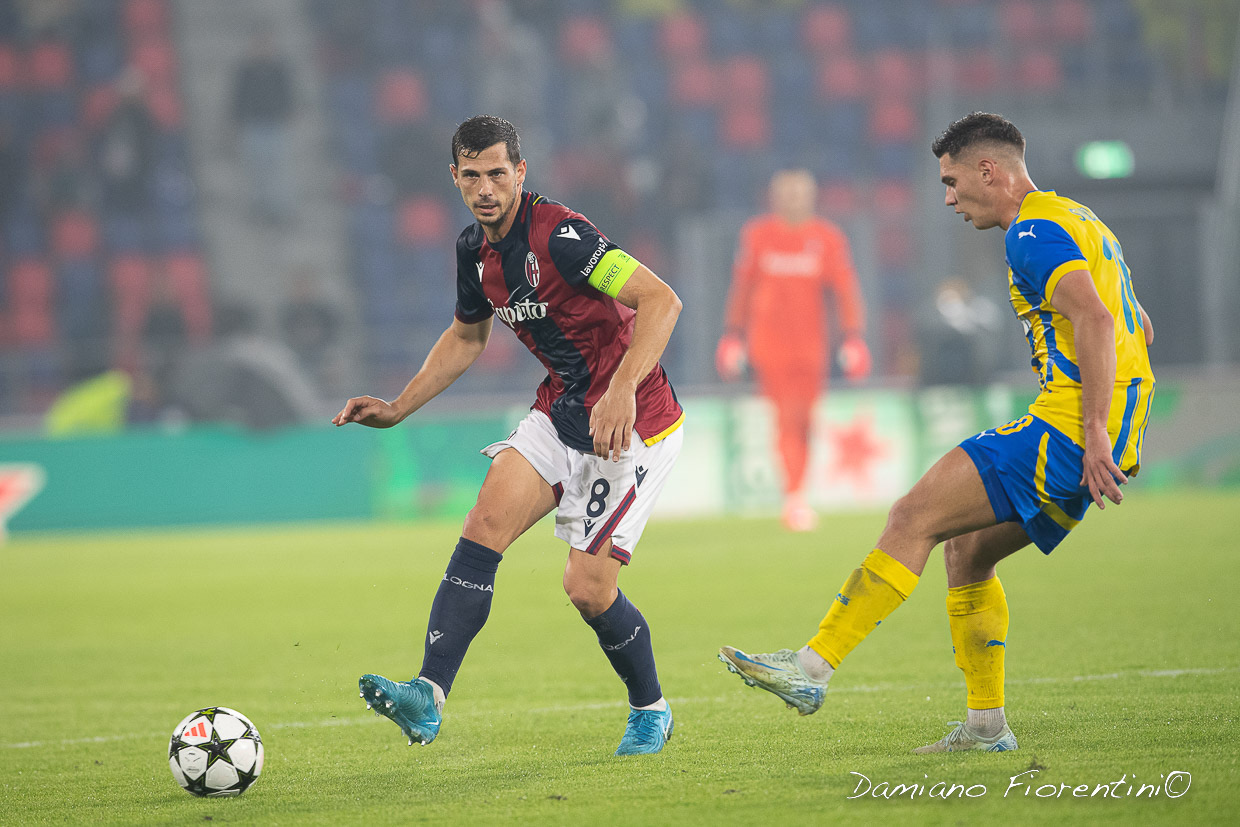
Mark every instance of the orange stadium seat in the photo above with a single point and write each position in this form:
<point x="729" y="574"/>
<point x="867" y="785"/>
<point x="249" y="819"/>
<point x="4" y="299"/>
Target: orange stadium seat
<point x="745" y="126"/>
<point x="694" y="82"/>
<point x="827" y="30"/>
<point x="10" y="67"/>
<point x="422" y="221"/>
<point x="401" y="97"/>
<point x="896" y="74"/>
<point x="682" y="36"/>
<point x="156" y="60"/>
<point x="1039" y="70"/>
<point x="143" y="17"/>
<point x="50" y="66"/>
<point x="841" y="78"/>
<point x="1072" y="20"/>
<point x="75" y="235"/>
<point x="582" y="38"/>
<point x="30" y="300"/>
<point x="746" y="79"/>
<point x="187" y="276"/>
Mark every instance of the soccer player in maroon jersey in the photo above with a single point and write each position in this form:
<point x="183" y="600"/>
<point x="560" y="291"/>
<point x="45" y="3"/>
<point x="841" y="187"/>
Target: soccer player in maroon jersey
<point x="598" y="321"/>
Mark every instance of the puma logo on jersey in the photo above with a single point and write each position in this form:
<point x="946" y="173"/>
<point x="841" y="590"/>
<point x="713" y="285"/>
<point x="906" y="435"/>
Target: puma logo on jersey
<point x="1028" y="232"/>
<point x="568" y="232"/>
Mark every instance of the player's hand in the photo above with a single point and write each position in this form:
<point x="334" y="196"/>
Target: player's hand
<point x="730" y="358"/>
<point x="611" y="421"/>
<point x="368" y="411"/>
<point x="1102" y="476"/>
<point x="854" y="359"/>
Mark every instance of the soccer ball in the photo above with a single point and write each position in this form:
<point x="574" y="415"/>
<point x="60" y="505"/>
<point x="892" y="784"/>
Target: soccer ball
<point x="215" y="751"/>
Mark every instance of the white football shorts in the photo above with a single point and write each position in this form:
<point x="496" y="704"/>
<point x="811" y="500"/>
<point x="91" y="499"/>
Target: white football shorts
<point x="599" y="500"/>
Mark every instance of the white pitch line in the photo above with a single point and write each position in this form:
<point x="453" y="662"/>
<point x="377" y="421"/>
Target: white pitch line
<point x="563" y="708"/>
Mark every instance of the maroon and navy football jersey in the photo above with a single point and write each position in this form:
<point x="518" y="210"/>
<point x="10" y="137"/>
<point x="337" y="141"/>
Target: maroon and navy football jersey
<point x="536" y="280"/>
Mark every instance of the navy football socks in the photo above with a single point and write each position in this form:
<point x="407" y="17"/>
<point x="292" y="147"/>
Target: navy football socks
<point x="625" y="638"/>
<point x="460" y="610"/>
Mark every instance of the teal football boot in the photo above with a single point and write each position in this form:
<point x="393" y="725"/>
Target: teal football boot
<point x="646" y="732"/>
<point x="410" y="705"/>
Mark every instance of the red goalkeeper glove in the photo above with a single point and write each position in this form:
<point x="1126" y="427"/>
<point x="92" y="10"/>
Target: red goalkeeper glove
<point x="854" y="359"/>
<point x="730" y="357"/>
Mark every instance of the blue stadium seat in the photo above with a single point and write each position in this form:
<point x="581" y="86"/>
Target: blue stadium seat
<point x="24" y="234"/>
<point x="178" y="230"/>
<point x="124" y="234"/>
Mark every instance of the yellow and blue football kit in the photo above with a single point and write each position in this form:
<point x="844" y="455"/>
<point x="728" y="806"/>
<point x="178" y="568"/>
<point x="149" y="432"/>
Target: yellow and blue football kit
<point x="1032" y="467"/>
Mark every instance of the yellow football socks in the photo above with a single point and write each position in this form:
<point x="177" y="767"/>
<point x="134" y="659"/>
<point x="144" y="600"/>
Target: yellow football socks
<point x="978" y="616"/>
<point x="869" y="594"/>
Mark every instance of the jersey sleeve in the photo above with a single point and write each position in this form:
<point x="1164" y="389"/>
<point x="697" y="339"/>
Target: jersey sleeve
<point x="842" y="279"/>
<point x="471" y="303"/>
<point x="583" y="255"/>
<point x="744" y="273"/>
<point x="1040" y="253"/>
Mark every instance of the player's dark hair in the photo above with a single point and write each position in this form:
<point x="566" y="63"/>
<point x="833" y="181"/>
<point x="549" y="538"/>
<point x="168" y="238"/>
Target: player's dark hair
<point x="483" y="131"/>
<point x="977" y="128"/>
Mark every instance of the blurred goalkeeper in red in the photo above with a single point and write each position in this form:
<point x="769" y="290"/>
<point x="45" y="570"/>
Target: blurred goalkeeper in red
<point x="777" y="320"/>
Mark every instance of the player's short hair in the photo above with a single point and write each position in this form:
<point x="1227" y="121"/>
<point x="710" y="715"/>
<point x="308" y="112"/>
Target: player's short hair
<point x="483" y="131"/>
<point x="977" y="128"/>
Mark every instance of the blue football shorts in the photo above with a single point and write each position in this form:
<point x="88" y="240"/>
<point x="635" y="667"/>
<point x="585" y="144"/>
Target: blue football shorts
<point x="1032" y="474"/>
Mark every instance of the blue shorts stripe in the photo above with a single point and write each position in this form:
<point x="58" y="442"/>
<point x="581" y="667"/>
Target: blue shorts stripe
<point x="1032" y="475"/>
<point x="1130" y="407"/>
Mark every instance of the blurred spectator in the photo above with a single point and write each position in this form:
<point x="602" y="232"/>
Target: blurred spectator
<point x="955" y="344"/>
<point x="243" y="377"/>
<point x="126" y="149"/>
<point x="311" y="327"/>
<point x="263" y="106"/>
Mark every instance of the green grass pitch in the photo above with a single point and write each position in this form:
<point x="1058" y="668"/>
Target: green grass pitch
<point x="1123" y="662"/>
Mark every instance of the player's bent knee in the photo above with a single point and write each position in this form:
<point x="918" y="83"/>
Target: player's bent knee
<point x="589" y="595"/>
<point x="484" y="526"/>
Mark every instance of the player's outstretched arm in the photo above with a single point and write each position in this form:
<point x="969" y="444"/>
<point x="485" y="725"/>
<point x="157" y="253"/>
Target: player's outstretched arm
<point x="457" y="349"/>
<point x="658" y="307"/>
<point x="1094" y="334"/>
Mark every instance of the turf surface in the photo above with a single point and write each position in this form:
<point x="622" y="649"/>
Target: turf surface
<point x="1123" y="662"/>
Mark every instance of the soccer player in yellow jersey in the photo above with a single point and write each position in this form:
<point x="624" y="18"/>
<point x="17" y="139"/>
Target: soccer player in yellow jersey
<point x="1029" y="481"/>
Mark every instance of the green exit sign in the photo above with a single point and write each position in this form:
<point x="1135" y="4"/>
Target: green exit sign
<point x="1104" y="159"/>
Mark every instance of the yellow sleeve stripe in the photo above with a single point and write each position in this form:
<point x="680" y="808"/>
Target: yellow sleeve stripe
<point x="1061" y="271"/>
<point x="662" y="435"/>
<point x="613" y="271"/>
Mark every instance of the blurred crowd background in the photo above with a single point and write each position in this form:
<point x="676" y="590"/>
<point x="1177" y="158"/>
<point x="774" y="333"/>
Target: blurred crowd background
<point x="242" y="209"/>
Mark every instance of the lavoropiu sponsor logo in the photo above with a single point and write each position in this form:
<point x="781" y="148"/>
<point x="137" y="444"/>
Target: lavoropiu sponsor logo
<point x="594" y="259"/>
<point x="522" y="311"/>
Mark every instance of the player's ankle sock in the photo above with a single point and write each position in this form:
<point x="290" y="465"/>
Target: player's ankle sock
<point x="870" y="593"/>
<point x="978" y="617"/>
<point x="814" y="665"/>
<point x="459" y="611"/>
<point x="660" y="705"/>
<point x="625" y="638"/>
<point x="437" y="691"/>
<point x="985" y="722"/>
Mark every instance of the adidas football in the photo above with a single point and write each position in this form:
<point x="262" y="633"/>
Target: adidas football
<point x="215" y="751"/>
